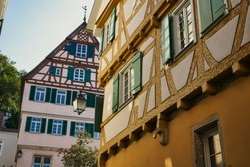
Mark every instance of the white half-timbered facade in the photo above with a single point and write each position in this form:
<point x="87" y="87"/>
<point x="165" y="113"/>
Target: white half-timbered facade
<point x="47" y="118"/>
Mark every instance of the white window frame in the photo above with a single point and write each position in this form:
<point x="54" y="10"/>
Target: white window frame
<point x="42" y="163"/>
<point x="58" y="72"/>
<point x="1" y="147"/>
<point x="57" y="127"/>
<point x="79" y="75"/>
<point x="61" y="96"/>
<point x="125" y="87"/>
<point x="182" y="8"/>
<point x="79" y="127"/>
<point x="106" y="34"/>
<point x="37" y="124"/>
<point x="40" y="94"/>
<point x="81" y="50"/>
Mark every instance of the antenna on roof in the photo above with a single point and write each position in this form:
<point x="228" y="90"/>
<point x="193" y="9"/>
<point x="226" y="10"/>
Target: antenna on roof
<point x="85" y="9"/>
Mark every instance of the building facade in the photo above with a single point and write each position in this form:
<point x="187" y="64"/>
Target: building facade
<point x="3" y="7"/>
<point x="176" y="82"/>
<point x="47" y="118"/>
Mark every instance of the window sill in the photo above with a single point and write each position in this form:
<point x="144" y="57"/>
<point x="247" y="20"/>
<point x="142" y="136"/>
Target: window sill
<point x="184" y="50"/>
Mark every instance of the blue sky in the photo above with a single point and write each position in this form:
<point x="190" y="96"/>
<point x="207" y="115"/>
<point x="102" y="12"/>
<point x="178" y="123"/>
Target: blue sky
<point x="32" y="28"/>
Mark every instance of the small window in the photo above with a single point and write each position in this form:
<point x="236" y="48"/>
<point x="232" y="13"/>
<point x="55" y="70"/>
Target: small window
<point x="35" y="125"/>
<point x="57" y="127"/>
<point x="60" y="97"/>
<point x="208" y="145"/>
<point x="1" y="147"/>
<point x="40" y="94"/>
<point x="41" y="161"/>
<point x="58" y="72"/>
<point x="210" y="11"/>
<point x="81" y="50"/>
<point x="79" y="75"/>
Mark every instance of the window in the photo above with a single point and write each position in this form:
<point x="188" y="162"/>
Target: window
<point x="107" y="34"/>
<point x="208" y="144"/>
<point x="210" y="11"/>
<point x="41" y="161"/>
<point x="57" y="127"/>
<point x="58" y="72"/>
<point x="55" y="71"/>
<point x="35" y="125"/>
<point x="1" y="147"/>
<point x="79" y="127"/>
<point x="60" y="97"/>
<point x="126" y="77"/>
<point x="81" y="50"/>
<point x="127" y="82"/>
<point x="40" y="94"/>
<point x="79" y="74"/>
<point x="177" y="31"/>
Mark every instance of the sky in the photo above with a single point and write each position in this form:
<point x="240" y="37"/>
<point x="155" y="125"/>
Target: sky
<point x="33" y="28"/>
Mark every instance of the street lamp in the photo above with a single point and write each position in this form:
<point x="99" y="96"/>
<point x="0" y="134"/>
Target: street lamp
<point x="79" y="103"/>
<point x="19" y="154"/>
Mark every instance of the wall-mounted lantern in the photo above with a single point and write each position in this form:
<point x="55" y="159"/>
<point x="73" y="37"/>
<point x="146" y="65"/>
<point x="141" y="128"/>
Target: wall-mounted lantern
<point x="19" y="153"/>
<point x="79" y="103"/>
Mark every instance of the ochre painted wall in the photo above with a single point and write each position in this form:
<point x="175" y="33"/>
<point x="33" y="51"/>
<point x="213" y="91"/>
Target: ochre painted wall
<point x="232" y="107"/>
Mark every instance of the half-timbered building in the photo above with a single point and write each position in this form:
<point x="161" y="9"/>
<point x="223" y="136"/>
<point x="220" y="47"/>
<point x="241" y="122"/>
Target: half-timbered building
<point x="176" y="82"/>
<point x="47" y="118"/>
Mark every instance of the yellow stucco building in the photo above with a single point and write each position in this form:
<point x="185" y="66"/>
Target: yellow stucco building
<point x="176" y="80"/>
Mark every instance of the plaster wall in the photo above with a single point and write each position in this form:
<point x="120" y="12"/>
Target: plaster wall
<point x="234" y="120"/>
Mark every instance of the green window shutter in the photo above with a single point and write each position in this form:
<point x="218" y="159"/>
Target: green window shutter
<point x="98" y="113"/>
<point x="72" y="50"/>
<point x="27" y="126"/>
<point x="52" y="70"/>
<point x="49" y="129"/>
<point x="218" y="8"/>
<point x="90" y="100"/>
<point x="87" y="75"/>
<point x="67" y="47"/>
<point x="48" y="94"/>
<point x="205" y="13"/>
<point x="167" y="43"/>
<point x="72" y="128"/>
<point x="64" y="130"/>
<point x="136" y="81"/>
<point x="90" y="51"/>
<point x="115" y="103"/>
<point x="68" y="97"/>
<point x="101" y="42"/>
<point x="74" y="95"/>
<point x="70" y="73"/>
<point x="43" y="125"/>
<point x="90" y="129"/>
<point x="112" y="25"/>
<point x="53" y="96"/>
<point x="32" y="92"/>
